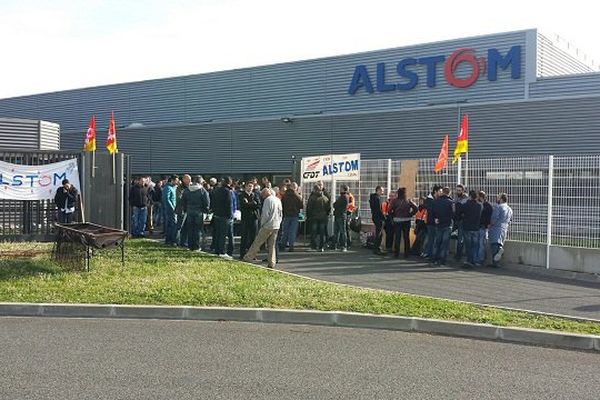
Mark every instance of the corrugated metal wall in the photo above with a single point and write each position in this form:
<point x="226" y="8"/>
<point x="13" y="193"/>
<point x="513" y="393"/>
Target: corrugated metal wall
<point x="28" y="134"/>
<point x="569" y="85"/>
<point x="49" y="135"/>
<point x="298" y="88"/>
<point x="567" y="126"/>
<point x="552" y="60"/>
<point x="19" y="134"/>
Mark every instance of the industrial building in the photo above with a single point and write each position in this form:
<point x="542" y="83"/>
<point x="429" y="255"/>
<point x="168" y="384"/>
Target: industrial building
<point x="525" y="93"/>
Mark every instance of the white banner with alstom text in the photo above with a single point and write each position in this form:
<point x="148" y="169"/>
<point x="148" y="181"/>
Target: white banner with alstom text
<point x="36" y="182"/>
<point x="341" y="167"/>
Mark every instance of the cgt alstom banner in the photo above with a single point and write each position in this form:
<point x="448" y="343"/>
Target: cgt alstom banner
<point x="36" y="182"/>
<point x="343" y="167"/>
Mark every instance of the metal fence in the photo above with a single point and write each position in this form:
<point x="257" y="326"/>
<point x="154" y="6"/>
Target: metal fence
<point x="576" y="201"/>
<point x="525" y="180"/>
<point x="373" y="173"/>
<point x="555" y="200"/>
<point x="19" y="219"/>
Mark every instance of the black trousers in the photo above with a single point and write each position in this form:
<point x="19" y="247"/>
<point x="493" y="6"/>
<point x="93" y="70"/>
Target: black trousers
<point x="421" y="235"/>
<point x="249" y="228"/>
<point x="389" y="234"/>
<point x="348" y="230"/>
<point x="65" y="218"/>
<point x="378" y="232"/>
<point x="402" y="229"/>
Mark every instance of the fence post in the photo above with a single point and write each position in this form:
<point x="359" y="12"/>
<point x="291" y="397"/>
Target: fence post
<point x="549" y="222"/>
<point x="458" y="171"/>
<point x="389" y="176"/>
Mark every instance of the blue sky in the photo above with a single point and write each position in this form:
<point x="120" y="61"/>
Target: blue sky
<point x="65" y="44"/>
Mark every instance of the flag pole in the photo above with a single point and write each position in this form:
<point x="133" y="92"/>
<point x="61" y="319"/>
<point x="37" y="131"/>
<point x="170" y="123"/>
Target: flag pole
<point x="94" y="164"/>
<point x="114" y="169"/>
<point x="467" y="168"/>
<point x="459" y="171"/>
<point x="458" y="130"/>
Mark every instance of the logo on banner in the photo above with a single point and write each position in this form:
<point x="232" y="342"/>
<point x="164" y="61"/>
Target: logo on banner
<point x="35" y="182"/>
<point x="39" y="179"/>
<point x="329" y="167"/>
<point x="312" y="169"/>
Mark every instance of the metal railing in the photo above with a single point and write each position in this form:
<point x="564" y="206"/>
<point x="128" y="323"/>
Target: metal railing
<point x="555" y="200"/>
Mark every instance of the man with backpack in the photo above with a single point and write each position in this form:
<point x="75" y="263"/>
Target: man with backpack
<point x="195" y="204"/>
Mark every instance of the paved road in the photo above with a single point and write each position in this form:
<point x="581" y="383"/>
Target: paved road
<point x="48" y="358"/>
<point x="508" y="288"/>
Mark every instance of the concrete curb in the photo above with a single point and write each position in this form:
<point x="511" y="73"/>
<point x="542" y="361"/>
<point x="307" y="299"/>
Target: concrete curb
<point x="487" y="305"/>
<point x="306" y="317"/>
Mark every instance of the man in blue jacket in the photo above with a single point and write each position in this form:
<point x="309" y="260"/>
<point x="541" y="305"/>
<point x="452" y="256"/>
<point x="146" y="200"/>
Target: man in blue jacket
<point x="169" y="198"/>
<point x="442" y="217"/>
<point x="470" y="215"/>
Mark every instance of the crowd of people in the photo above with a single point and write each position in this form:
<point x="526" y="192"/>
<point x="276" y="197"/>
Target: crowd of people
<point x="188" y="208"/>
<point x="478" y="226"/>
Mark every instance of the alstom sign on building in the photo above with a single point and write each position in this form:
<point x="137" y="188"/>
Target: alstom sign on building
<point x="461" y="69"/>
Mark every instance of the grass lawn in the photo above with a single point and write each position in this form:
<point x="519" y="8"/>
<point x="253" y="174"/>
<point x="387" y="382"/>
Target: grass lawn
<point x="155" y="274"/>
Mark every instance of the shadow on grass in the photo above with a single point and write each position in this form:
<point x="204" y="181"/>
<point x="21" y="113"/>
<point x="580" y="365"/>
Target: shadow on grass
<point x="16" y="268"/>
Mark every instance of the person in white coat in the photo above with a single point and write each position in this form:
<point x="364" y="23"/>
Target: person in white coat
<point x="270" y="221"/>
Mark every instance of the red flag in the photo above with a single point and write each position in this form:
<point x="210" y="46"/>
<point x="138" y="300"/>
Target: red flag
<point x="111" y="140"/>
<point x="90" y="136"/>
<point x="443" y="157"/>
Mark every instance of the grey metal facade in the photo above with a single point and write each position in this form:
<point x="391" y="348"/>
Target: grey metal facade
<point x="552" y="60"/>
<point x="230" y="122"/>
<point x="21" y="134"/>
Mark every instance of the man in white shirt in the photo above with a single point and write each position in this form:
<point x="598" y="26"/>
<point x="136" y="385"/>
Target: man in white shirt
<point x="270" y="220"/>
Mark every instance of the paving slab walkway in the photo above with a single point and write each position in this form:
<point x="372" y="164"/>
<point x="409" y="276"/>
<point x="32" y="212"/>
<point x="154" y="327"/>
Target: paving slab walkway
<point x="507" y="287"/>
